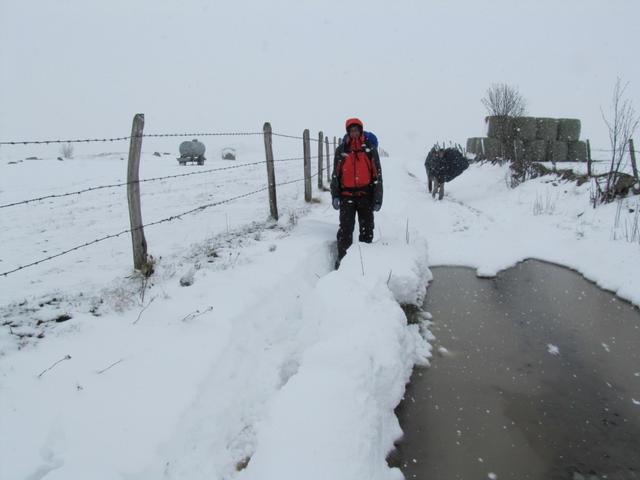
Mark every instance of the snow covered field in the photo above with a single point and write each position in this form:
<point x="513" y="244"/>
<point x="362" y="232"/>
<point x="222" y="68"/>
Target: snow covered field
<point x="270" y="356"/>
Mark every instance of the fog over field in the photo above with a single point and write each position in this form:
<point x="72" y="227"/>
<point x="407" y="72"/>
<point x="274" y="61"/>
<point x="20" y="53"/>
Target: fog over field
<point x="415" y="71"/>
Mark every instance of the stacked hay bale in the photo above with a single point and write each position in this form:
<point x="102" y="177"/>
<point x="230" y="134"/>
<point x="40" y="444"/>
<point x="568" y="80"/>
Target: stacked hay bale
<point x="473" y="144"/>
<point x="568" y="130"/>
<point x="525" y="128"/>
<point x="576" y="151"/>
<point x="485" y="147"/>
<point x="547" y="129"/>
<point x="535" y="151"/>
<point x="534" y="139"/>
<point x="557" y="151"/>
<point x="500" y="127"/>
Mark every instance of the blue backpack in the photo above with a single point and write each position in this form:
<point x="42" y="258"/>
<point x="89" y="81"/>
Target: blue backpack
<point x="369" y="137"/>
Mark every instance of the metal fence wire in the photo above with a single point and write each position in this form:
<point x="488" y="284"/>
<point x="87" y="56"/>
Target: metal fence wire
<point x="157" y="222"/>
<point x="149" y="135"/>
<point x="120" y="139"/>
<point x="153" y="179"/>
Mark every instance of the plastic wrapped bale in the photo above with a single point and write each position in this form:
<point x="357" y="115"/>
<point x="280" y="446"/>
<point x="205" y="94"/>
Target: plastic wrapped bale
<point x="568" y="129"/>
<point x="517" y="146"/>
<point x="474" y="145"/>
<point x="557" y="151"/>
<point x="471" y="145"/>
<point x="228" y="154"/>
<point x="535" y="151"/>
<point x="577" y="151"/>
<point x="499" y="127"/>
<point x="490" y="148"/>
<point x="547" y="129"/>
<point x="524" y="128"/>
<point x="478" y="146"/>
<point x="513" y="150"/>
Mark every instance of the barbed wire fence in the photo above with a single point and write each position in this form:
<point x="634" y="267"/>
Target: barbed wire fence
<point x="616" y="155"/>
<point x="145" y="180"/>
<point x="145" y="135"/>
<point x="605" y="151"/>
<point x="142" y="261"/>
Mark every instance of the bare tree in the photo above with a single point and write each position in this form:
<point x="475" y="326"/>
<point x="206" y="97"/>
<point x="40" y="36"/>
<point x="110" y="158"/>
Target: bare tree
<point x="504" y="100"/>
<point x="622" y="123"/>
<point x="66" y="150"/>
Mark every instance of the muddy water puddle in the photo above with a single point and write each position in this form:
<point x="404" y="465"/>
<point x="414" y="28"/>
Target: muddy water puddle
<point x="535" y="375"/>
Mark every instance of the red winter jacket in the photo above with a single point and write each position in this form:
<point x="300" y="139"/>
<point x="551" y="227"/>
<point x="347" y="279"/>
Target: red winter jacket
<point x="357" y="170"/>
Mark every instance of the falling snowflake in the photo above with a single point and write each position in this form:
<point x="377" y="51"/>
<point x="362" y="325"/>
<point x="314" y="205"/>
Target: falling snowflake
<point x="552" y="349"/>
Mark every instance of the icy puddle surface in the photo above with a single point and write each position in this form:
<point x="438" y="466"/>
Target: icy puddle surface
<point x="536" y="376"/>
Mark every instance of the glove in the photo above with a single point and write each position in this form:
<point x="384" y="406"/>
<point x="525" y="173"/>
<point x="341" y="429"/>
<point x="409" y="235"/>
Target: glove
<point x="336" y="203"/>
<point x="377" y="207"/>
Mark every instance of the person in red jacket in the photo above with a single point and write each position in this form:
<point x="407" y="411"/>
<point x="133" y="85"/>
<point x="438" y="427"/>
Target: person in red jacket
<point x="356" y="186"/>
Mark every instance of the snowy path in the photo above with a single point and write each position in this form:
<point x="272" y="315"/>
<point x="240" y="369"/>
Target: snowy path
<point x="269" y="355"/>
<point x="196" y="396"/>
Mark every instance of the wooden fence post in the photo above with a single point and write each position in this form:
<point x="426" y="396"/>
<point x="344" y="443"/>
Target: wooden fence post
<point x="271" y="175"/>
<point x="320" y="158"/>
<point x="307" y="165"/>
<point x="326" y="143"/>
<point x="133" y="197"/>
<point x="632" y="153"/>
<point x="588" y="159"/>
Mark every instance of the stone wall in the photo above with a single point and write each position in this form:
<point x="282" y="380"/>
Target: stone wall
<point x="535" y="139"/>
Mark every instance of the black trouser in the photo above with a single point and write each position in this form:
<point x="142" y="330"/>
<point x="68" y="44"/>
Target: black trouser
<point x="363" y="205"/>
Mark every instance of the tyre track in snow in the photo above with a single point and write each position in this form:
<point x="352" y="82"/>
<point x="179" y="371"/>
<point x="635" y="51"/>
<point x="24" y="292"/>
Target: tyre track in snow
<point x="462" y="213"/>
<point x="451" y="225"/>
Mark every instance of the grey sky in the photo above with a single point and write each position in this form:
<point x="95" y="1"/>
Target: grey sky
<point x="413" y="71"/>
